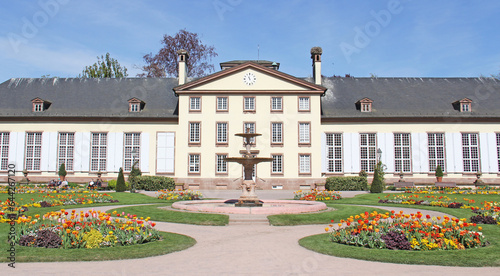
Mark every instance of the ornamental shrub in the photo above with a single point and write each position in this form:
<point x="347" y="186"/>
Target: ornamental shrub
<point x="396" y="241"/>
<point x="483" y="219"/>
<point x="154" y="183"/>
<point x="439" y="171"/>
<point x="378" y="180"/>
<point x="112" y="184"/>
<point x="120" y="182"/>
<point x="62" y="170"/>
<point x="346" y="183"/>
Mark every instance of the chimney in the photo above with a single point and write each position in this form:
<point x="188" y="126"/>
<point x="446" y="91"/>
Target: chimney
<point x="183" y="56"/>
<point x="316" y="59"/>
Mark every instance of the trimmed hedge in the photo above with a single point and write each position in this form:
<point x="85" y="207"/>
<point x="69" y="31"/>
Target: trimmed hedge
<point x="153" y="183"/>
<point x="346" y="183"/>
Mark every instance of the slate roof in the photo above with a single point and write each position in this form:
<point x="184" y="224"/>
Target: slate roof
<point x="411" y="97"/>
<point x="86" y="97"/>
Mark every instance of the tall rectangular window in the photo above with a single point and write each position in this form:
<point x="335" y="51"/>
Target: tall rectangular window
<point x="194" y="133"/>
<point x="304" y="133"/>
<point x="99" y="144"/>
<point x="304" y="164"/>
<point x="470" y="150"/>
<point x="368" y="151"/>
<point x="249" y="104"/>
<point x="4" y="150"/>
<point x="402" y="152"/>
<point x="249" y="128"/>
<point x="304" y="104"/>
<point x="277" y="133"/>
<point x="194" y="103"/>
<point x="66" y="149"/>
<point x="498" y="150"/>
<point x="222" y="104"/>
<point x="436" y="147"/>
<point x="334" y="152"/>
<point x="276" y="104"/>
<point x="277" y="165"/>
<point x="221" y="133"/>
<point x="132" y="143"/>
<point x="194" y="163"/>
<point x="33" y="151"/>
<point x="221" y="163"/>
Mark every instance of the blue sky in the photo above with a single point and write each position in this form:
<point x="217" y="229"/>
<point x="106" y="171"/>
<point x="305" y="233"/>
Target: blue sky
<point x="388" y="38"/>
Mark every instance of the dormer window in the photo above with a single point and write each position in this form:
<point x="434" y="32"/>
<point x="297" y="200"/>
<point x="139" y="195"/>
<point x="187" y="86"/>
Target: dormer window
<point x="135" y="105"/>
<point x="463" y="105"/>
<point x="40" y="105"/>
<point x="365" y="105"/>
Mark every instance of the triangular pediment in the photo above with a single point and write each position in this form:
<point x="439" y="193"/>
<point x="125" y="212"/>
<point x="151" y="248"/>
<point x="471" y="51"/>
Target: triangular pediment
<point x="249" y="77"/>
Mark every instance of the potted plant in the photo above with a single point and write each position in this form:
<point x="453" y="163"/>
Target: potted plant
<point x="62" y="172"/>
<point x="439" y="174"/>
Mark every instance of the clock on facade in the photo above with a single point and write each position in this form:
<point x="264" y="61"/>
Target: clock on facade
<point x="249" y="78"/>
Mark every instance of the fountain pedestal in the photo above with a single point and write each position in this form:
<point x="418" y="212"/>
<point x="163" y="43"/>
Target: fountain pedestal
<point x="248" y="197"/>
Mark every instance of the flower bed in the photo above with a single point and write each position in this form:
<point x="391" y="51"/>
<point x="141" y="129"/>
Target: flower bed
<point x="488" y="214"/>
<point x="179" y="195"/>
<point x="315" y="195"/>
<point x="407" y="232"/>
<point x="91" y="229"/>
<point x="463" y="191"/>
<point x="441" y="201"/>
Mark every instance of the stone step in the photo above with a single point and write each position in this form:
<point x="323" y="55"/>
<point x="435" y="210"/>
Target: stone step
<point x="248" y="220"/>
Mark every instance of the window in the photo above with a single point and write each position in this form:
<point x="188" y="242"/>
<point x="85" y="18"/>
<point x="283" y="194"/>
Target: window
<point x="366" y="107"/>
<point x="37" y="107"/>
<point x="194" y="133"/>
<point x="132" y="142"/>
<point x="402" y="152"/>
<point x="4" y="150"/>
<point x="194" y="163"/>
<point x="194" y="104"/>
<point x="66" y="149"/>
<point x="134" y="107"/>
<point x="334" y="152"/>
<point x="277" y="165"/>
<point x="368" y="151"/>
<point x="277" y="133"/>
<point x="304" y="133"/>
<point x="33" y="151"/>
<point x="465" y="107"/>
<point x="221" y="133"/>
<point x="98" y="147"/>
<point x="498" y="150"/>
<point x="304" y="164"/>
<point x="249" y="104"/>
<point x="221" y="163"/>
<point x="304" y="104"/>
<point x="222" y="104"/>
<point x="464" y="104"/>
<point x="436" y="148"/>
<point x="249" y="128"/>
<point x="470" y="150"/>
<point x="276" y="104"/>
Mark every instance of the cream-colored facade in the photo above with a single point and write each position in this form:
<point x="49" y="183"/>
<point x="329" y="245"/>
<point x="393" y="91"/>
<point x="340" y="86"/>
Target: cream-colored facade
<point x="306" y="125"/>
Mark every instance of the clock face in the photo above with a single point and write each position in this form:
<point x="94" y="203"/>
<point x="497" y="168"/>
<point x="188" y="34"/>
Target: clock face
<point x="249" y="79"/>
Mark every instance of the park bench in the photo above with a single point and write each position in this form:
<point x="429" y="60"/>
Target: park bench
<point x="445" y="184"/>
<point x="104" y="186"/>
<point x="404" y="185"/>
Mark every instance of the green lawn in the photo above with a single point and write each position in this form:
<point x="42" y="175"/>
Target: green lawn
<point x="486" y="256"/>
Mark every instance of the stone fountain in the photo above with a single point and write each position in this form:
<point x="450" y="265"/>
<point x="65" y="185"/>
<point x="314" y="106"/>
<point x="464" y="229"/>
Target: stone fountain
<point x="248" y="196"/>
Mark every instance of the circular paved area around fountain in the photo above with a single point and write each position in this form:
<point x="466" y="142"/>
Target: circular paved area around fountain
<point x="242" y="250"/>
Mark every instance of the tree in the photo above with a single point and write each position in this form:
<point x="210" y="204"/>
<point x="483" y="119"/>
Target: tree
<point x="105" y="67"/>
<point x="62" y="172"/>
<point x="164" y="63"/>
<point x="378" y="184"/>
<point x="120" y="182"/>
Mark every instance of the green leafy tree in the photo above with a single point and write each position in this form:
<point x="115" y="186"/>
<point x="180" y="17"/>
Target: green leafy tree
<point x="378" y="183"/>
<point x="120" y="182"/>
<point x="105" y="67"/>
<point x="62" y="171"/>
<point x="164" y="63"/>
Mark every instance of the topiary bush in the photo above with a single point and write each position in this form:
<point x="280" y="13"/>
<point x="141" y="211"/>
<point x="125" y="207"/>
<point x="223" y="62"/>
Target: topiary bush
<point x="346" y="183"/>
<point x="154" y="183"/>
<point x="112" y="184"/>
<point x="378" y="184"/>
<point x="120" y="182"/>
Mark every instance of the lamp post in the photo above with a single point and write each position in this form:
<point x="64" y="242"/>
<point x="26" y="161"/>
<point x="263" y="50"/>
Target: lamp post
<point x="134" y="156"/>
<point x="379" y="155"/>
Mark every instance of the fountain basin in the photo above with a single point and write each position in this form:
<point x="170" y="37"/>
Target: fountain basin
<point x="269" y="207"/>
